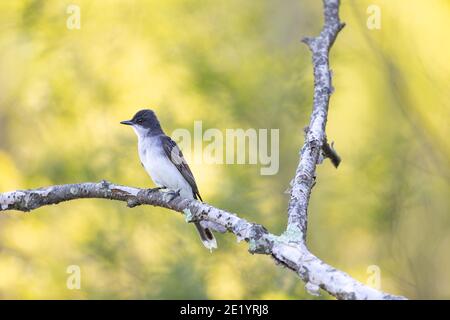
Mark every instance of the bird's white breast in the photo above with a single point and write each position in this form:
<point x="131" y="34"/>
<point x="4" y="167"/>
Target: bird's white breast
<point x="161" y="170"/>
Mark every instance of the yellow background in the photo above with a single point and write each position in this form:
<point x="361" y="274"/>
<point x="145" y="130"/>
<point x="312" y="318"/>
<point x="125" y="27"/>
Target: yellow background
<point x="230" y="64"/>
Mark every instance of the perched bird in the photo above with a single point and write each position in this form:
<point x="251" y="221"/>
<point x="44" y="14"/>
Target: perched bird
<point x="164" y="162"/>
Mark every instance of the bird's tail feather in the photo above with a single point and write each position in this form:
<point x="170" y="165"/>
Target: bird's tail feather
<point x="207" y="237"/>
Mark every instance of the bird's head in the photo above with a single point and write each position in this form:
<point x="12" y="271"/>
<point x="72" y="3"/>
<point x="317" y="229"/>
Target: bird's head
<point x="144" y="122"/>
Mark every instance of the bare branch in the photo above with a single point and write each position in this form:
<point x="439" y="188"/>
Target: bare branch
<point x="315" y="136"/>
<point x="285" y="251"/>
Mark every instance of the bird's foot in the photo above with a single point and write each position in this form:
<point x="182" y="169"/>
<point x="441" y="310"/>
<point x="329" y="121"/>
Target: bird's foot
<point x="156" y="189"/>
<point x="171" y="193"/>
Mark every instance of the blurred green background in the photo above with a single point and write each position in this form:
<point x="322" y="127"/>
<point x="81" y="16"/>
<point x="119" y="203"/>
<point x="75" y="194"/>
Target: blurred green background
<point x="231" y="64"/>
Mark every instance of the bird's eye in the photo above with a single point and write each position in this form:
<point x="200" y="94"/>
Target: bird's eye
<point x="139" y="121"/>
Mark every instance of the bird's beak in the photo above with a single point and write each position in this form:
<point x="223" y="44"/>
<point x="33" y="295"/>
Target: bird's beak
<point x="127" y="122"/>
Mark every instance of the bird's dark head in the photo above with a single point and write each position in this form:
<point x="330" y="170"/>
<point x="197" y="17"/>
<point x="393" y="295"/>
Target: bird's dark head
<point x="144" y="122"/>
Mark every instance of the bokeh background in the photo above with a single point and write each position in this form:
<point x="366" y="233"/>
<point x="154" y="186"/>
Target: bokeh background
<point x="231" y="64"/>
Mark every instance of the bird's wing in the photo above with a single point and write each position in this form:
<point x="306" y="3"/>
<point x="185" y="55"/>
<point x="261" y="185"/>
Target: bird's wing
<point x="176" y="156"/>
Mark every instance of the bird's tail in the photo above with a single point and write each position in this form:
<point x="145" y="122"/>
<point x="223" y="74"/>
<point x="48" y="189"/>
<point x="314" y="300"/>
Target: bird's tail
<point x="207" y="237"/>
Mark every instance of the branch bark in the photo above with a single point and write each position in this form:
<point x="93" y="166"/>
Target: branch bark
<point x="288" y="249"/>
<point x="315" y="138"/>
<point x="282" y="248"/>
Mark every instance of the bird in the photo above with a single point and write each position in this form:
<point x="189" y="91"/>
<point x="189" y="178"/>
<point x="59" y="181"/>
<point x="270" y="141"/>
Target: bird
<point x="164" y="162"/>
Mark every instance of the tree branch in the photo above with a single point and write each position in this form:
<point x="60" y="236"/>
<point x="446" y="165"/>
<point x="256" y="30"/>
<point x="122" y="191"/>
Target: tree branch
<point x="288" y="249"/>
<point x="282" y="248"/>
<point x="315" y="137"/>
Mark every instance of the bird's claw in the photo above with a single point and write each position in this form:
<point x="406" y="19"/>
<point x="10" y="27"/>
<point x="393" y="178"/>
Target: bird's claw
<point x="171" y="193"/>
<point x="174" y="194"/>
<point x="151" y="190"/>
